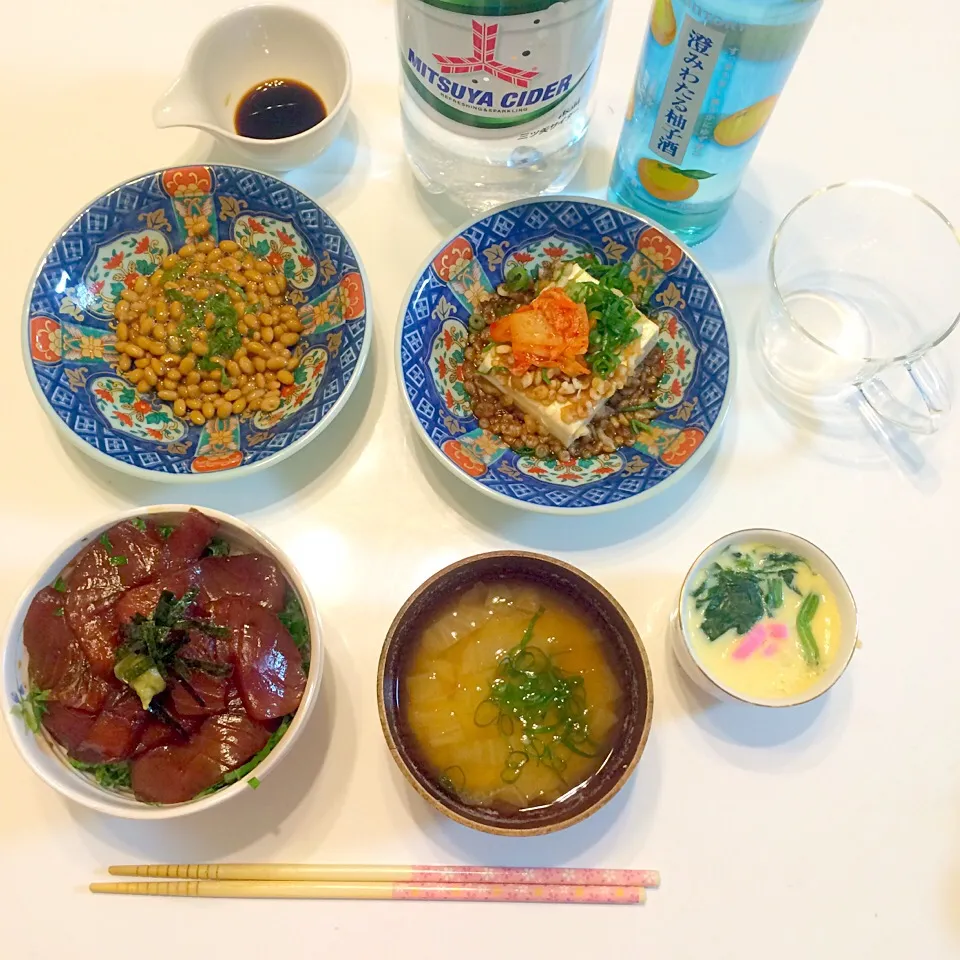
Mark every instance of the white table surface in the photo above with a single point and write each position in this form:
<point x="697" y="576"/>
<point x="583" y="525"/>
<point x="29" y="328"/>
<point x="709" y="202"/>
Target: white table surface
<point x="826" y="831"/>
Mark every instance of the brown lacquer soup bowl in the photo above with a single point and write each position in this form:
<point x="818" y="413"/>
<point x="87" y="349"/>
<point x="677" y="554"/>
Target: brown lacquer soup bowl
<point x="512" y="673"/>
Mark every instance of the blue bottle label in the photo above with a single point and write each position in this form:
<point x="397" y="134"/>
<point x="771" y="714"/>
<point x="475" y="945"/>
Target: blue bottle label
<point x="708" y="82"/>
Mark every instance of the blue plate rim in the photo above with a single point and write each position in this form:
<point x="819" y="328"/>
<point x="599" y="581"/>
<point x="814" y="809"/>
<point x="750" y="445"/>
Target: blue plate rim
<point x="709" y="440"/>
<point x="244" y="470"/>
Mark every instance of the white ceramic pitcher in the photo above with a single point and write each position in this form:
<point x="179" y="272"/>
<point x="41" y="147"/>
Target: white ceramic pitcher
<point x="240" y="51"/>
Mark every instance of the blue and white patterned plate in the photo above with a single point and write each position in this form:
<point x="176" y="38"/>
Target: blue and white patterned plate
<point x="693" y="395"/>
<point x="124" y="234"/>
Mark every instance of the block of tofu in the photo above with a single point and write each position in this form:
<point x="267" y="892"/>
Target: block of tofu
<point x="550" y="415"/>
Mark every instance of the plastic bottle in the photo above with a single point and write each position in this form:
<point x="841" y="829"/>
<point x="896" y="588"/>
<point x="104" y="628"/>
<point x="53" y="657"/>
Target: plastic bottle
<point x="495" y="94"/>
<point x="709" y="78"/>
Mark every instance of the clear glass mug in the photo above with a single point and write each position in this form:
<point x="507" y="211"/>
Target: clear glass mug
<point x="864" y="280"/>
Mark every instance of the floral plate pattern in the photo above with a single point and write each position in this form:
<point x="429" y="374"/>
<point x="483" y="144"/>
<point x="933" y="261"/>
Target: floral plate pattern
<point x="122" y="236"/>
<point x="693" y="394"/>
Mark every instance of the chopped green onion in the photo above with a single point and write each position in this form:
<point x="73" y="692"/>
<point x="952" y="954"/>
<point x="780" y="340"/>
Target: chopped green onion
<point x="175" y="272"/>
<point x="217" y="547"/>
<point x="110" y="776"/>
<point x="140" y="672"/>
<point x="150" y="649"/>
<point x="222" y="278"/>
<point x="517" y="279"/>
<point x="805" y="615"/>
<point x="31" y="707"/>
<point x="548" y="705"/>
<point x="294" y="619"/>
<point x="452" y="780"/>
<point x="612" y="313"/>
<point x="774" y="598"/>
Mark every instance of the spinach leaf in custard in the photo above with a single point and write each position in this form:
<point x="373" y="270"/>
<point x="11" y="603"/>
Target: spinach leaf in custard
<point x="739" y="596"/>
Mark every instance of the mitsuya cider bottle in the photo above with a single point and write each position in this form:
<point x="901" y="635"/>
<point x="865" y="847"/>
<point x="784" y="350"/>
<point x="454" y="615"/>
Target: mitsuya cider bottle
<point x="495" y="94"/>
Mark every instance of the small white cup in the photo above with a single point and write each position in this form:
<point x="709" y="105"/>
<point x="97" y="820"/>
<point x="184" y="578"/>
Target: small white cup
<point x="679" y="631"/>
<point x="240" y="51"/>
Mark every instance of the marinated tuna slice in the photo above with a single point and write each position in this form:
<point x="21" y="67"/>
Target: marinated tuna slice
<point x="143" y="599"/>
<point x="116" y="731"/>
<point x="48" y="639"/>
<point x="175" y="773"/>
<point x="156" y="733"/>
<point x="187" y="542"/>
<point x="67" y="726"/>
<point x="207" y="649"/>
<point x="119" y="559"/>
<point x="232" y="738"/>
<point x="269" y="669"/>
<point x="248" y="575"/>
<point x="216" y="578"/>
<point x="210" y="677"/>
<point x="141" y="549"/>
<point x="56" y="660"/>
<point x="80" y="688"/>
<point x="99" y="636"/>
<point x="189" y="724"/>
<point x="209" y="695"/>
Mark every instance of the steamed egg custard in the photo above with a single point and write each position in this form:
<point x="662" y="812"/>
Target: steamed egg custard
<point x="511" y="696"/>
<point x="763" y="622"/>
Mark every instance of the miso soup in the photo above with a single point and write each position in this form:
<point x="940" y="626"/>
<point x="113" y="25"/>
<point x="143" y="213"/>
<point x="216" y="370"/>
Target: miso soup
<point x="512" y="696"/>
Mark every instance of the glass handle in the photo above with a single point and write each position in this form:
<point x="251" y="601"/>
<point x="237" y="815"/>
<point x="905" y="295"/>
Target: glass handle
<point x="931" y="387"/>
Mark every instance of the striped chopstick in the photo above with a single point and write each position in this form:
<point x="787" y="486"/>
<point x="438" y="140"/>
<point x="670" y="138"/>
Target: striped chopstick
<point x="382" y="890"/>
<point x="358" y="873"/>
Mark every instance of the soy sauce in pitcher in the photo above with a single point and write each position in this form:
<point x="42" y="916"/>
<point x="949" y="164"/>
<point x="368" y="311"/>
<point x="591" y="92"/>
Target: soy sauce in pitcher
<point x="278" y="108"/>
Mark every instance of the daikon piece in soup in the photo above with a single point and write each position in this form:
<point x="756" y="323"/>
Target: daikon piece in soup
<point x="762" y="622"/>
<point x="512" y="696"/>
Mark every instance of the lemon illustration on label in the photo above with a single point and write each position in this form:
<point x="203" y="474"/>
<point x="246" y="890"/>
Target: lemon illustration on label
<point x="741" y="126"/>
<point x="663" y="22"/>
<point x="669" y="183"/>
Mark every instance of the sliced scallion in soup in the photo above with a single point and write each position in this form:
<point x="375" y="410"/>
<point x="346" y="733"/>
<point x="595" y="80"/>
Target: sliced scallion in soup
<point x="511" y="696"/>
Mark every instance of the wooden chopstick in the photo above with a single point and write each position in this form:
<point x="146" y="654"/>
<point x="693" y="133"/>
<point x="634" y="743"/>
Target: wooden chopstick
<point x="356" y="873"/>
<point x="325" y="890"/>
